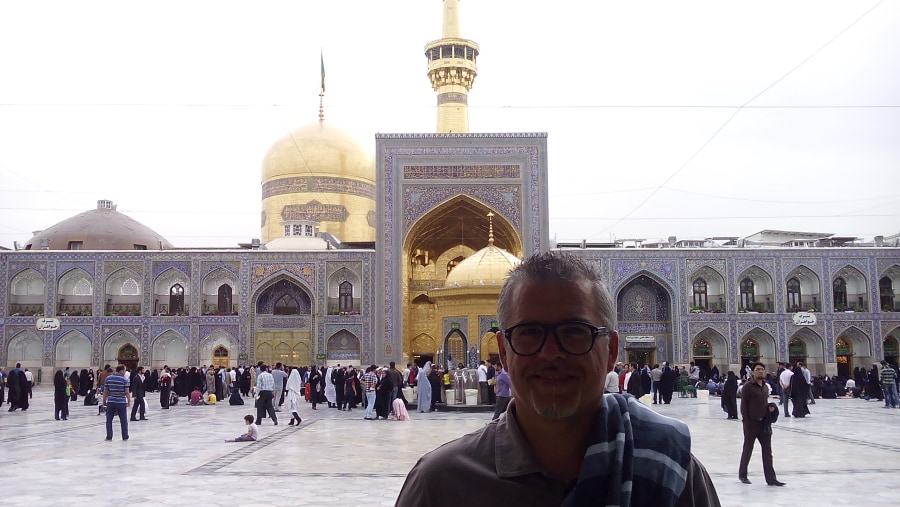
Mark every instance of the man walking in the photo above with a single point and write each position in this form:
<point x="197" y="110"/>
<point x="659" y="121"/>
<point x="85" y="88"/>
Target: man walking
<point x="754" y="409"/>
<point x="265" y="384"/>
<point x="655" y="378"/>
<point x="889" y="385"/>
<point x="117" y="399"/>
<point x="279" y="377"/>
<point x="370" y="380"/>
<point x="138" y="391"/>
<point x="165" y="387"/>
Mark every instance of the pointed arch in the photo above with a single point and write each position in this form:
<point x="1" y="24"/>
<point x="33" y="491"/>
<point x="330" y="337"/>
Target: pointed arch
<point x="215" y="339"/>
<point x="343" y="346"/>
<point x="28" y="282"/>
<point x="889" y="289"/>
<point x="26" y="348"/>
<point x="806" y="345"/>
<point x="644" y="296"/>
<point x="123" y="282"/>
<point x="755" y="290"/>
<point x="707" y="289"/>
<point x="757" y="345"/>
<point x="456" y="347"/>
<point x="285" y="290"/>
<point x="112" y="344"/>
<point x="219" y="292"/>
<point x="169" y="347"/>
<point x="804" y="289"/>
<point x="72" y="349"/>
<point x="162" y="285"/>
<point x="850" y="290"/>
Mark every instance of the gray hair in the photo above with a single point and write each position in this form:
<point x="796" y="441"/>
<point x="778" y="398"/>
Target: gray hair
<point x="557" y="266"/>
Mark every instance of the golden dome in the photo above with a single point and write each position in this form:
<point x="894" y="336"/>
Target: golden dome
<point x="488" y="266"/>
<point x="318" y="148"/>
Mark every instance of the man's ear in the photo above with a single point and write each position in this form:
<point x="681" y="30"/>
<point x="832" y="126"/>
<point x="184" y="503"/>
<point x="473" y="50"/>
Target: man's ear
<point x="501" y="348"/>
<point x="613" y="350"/>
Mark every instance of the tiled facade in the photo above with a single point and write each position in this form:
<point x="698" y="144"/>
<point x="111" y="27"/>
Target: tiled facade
<point x="667" y="279"/>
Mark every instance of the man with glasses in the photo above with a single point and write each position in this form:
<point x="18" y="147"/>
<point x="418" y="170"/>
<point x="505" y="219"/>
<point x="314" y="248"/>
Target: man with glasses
<point x="561" y="439"/>
<point x="754" y="409"/>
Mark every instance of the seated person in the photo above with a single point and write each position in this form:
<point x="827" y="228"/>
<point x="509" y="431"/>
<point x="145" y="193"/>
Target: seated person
<point x="197" y="397"/>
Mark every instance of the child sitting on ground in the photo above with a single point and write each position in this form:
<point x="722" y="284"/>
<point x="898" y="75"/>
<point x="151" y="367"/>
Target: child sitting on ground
<point x="252" y="431"/>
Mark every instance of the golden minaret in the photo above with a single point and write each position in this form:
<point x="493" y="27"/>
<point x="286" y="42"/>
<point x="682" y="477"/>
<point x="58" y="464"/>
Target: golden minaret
<point x="451" y="68"/>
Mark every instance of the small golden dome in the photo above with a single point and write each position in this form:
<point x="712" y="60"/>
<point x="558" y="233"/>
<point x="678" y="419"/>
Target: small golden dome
<point x="488" y="266"/>
<point x="318" y="148"/>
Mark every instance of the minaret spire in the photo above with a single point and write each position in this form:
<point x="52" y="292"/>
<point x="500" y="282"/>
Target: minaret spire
<point x="451" y="69"/>
<point x="490" y="216"/>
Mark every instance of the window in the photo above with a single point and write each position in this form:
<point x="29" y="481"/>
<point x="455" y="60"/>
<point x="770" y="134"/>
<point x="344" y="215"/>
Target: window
<point x="747" y="299"/>
<point x="297" y="230"/>
<point x="224" y="301"/>
<point x="140" y="247"/>
<point x="287" y="230"/>
<point x="130" y="287"/>
<point x="176" y="299"/>
<point x="840" y="294"/>
<point x="287" y="305"/>
<point x="886" y="294"/>
<point x="345" y="301"/>
<point x="308" y="230"/>
<point x="76" y="245"/>
<point x="793" y="294"/>
<point x="700" y="294"/>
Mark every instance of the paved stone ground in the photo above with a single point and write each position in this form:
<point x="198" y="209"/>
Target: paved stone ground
<point x="845" y="453"/>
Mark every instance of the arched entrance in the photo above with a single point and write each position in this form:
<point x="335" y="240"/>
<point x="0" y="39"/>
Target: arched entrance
<point x="128" y="355"/>
<point x="710" y="349"/>
<point x="490" y="351"/>
<point x="220" y="356"/>
<point x="749" y="353"/>
<point x="422" y="350"/>
<point x="455" y="346"/>
<point x="843" y="351"/>
<point x="343" y="347"/>
<point x="644" y="309"/>
<point x="805" y="345"/>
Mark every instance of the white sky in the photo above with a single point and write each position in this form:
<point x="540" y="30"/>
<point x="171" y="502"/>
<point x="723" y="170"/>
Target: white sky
<point x="168" y="107"/>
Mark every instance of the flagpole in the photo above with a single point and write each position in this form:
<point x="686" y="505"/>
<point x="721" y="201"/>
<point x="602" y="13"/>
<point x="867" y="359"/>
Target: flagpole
<point x="322" y="87"/>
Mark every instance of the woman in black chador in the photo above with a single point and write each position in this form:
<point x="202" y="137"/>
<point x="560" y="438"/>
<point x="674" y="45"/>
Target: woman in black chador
<point x="729" y="395"/>
<point x="60" y="398"/>
<point x="153" y="381"/>
<point x="383" y="395"/>
<point x="75" y="380"/>
<point x="85" y="384"/>
<point x="799" y="393"/>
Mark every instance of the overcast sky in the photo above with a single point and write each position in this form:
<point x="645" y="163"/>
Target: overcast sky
<point x="693" y="119"/>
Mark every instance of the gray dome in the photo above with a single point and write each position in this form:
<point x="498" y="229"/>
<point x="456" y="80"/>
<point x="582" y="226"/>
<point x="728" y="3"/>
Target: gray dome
<point x="103" y="228"/>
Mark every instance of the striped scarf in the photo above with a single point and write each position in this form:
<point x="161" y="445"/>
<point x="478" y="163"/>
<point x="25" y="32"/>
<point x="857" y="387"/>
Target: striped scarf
<point x="635" y="457"/>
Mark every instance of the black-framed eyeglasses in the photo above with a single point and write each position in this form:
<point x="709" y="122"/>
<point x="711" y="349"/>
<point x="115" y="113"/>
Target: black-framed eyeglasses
<point x="573" y="337"/>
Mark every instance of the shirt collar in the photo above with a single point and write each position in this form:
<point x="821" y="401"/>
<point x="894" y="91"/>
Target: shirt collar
<point x="513" y="455"/>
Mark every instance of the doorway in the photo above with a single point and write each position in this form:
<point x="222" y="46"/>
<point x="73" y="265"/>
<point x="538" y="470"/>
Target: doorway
<point x="128" y="355"/>
<point x="641" y="357"/>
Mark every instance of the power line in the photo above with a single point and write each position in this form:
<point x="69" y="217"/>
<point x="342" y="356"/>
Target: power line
<point x="733" y="115"/>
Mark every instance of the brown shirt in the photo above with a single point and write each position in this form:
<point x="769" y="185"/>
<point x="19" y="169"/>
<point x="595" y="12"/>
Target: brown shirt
<point x="754" y="401"/>
<point x="497" y="462"/>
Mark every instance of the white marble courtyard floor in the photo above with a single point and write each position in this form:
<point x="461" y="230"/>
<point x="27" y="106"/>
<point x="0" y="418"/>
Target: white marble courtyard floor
<point x="845" y="453"/>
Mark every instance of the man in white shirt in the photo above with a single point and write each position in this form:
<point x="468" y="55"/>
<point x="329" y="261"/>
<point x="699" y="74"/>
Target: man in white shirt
<point x="811" y="399"/>
<point x="785" y="381"/>
<point x="29" y="377"/>
<point x="482" y="383"/>
<point x="612" y="382"/>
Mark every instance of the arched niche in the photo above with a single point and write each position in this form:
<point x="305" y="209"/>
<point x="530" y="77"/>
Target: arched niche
<point x="169" y="348"/>
<point x="343" y="347"/>
<point x="344" y="288"/>
<point x="809" y="290"/>
<point x="456" y="349"/>
<point x="889" y="289"/>
<point x="26" y="348"/>
<point x="27" y="293"/>
<point x="123" y="290"/>
<point x="75" y="291"/>
<point x="72" y="350"/>
<point x="707" y="290"/>
<point x="219" y="293"/>
<point x="283" y="296"/>
<point x="757" y="345"/>
<point x="216" y="339"/>
<point x="490" y="350"/>
<point x="807" y="346"/>
<point x="112" y="345"/>
<point x="709" y="348"/>
<point x="850" y="290"/>
<point x="755" y="290"/>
